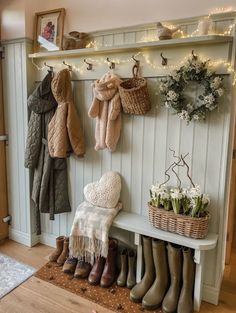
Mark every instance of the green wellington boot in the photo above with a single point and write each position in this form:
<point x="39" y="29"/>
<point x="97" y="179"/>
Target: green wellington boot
<point x="131" y="278"/>
<point x="185" y="304"/>
<point x="153" y="298"/>
<point x="121" y="280"/>
<point x="139" y="291"/>
<point x="170" y="302"/>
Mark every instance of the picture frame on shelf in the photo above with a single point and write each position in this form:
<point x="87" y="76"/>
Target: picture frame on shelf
<point x="48" y="30"/>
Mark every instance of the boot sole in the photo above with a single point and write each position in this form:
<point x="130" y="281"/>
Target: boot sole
<point x="135" y="300"/>
<point x="154" y="307"/>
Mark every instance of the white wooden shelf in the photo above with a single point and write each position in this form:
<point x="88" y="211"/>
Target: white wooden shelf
<point x="139" y="224"/>
<point x="191" y="41"/>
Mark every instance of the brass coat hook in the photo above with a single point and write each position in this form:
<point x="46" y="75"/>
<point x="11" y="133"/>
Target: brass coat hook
<point x="90" y="65"/>
<point x="68" y="65"/>
<point x="194" y="55"/>
<point x="49" y="66"/>
<point x="164" y="60"/>
<point x="112" y="64"/>
<point x="137" y="62"/>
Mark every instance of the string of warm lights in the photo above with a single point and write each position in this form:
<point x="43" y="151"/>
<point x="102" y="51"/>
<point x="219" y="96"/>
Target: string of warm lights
<point x="146" y="60"/>
<point x="179" y="33"/>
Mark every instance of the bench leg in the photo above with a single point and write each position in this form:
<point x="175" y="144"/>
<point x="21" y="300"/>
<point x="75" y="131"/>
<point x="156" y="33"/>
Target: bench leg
<point x="199" y="260"/>
<point x="139" y="269"/>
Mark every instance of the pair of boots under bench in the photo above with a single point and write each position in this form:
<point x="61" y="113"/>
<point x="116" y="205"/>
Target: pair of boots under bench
<point x="127" y="276"/>
<point x="161" y="283"/>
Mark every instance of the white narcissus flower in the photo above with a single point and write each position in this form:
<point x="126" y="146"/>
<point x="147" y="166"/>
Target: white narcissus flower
<point x="195" y="192"/>
<point x="165" y="195"/>
<point x="176" y="194"/>
<point x="205" y="199"/>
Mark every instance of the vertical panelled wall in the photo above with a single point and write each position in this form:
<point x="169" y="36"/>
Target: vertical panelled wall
<point x="142" y="154"/>
<point x="16" y="116"/>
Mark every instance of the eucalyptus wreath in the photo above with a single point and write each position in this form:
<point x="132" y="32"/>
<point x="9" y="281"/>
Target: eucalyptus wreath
<point x="173" y="88"/>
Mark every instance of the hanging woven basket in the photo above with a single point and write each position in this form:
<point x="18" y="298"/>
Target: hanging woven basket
<point x="134" y="94"/>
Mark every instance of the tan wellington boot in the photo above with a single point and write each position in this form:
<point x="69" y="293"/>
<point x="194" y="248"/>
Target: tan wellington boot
<point x="138" y="291"/>
<point x="69" y="265"/>
<point x="59" y="247"/>
<point x="170" y="302"/>
<point x="185" y="304"/>
<point x="122" y="278"/>
<point x="65" y="252"/>
<point x="131" y="278"/>
<point x="153" y="298"/>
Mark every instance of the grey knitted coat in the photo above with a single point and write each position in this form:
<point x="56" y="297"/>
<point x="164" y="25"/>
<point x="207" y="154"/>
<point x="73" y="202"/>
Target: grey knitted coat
<point x="50" y="186"/>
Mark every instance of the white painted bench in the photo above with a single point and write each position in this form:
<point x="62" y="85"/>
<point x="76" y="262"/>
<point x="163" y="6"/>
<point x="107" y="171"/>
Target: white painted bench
<point x="140" y="225"/>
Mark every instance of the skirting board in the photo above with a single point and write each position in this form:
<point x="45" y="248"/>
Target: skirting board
<point x="210" y="294"/>
<point x="26" y="239"/>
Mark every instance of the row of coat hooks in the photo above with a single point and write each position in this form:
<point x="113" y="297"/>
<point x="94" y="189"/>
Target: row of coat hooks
<point x="112" y="64"/>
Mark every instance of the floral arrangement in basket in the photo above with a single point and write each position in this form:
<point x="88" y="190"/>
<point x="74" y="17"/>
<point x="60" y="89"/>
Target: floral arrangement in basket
<point x="180" y="210"/>
<point x="188" y="201"/>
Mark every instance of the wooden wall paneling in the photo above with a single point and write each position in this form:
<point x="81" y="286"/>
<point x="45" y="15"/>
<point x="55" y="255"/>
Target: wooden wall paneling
<point x="118" y="39"/>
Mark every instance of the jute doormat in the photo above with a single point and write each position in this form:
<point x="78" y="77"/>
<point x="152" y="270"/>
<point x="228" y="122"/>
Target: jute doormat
<point x="113" y="298"/>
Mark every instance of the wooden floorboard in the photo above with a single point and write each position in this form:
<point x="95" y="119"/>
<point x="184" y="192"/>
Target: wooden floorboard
<point x="38" y="296"/>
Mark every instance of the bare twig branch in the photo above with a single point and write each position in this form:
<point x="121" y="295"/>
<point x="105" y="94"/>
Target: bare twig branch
<point x="188" y="170"/>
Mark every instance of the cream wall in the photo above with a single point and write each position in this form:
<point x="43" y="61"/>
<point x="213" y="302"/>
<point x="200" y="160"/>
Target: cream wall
<point x="91" y="15"/>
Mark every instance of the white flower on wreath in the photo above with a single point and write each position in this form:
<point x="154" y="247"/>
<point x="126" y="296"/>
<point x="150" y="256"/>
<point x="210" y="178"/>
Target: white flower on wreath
<point x="189" y="107"/>
<point x="184" y="115"/>
<point x="172" y="95"/>
<point x="209" y="100"/>
<point x="220" y="92"/>
<point x="196" y="117"/>
<point x="163" y="87"/>
<point x="176" y="76"/>
<point x="215" y="84"/>
<point x="167" y="104"/>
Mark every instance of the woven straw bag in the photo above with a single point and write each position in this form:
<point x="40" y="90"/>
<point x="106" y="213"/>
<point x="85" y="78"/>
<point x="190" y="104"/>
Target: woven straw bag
<point x="134" y="94"/>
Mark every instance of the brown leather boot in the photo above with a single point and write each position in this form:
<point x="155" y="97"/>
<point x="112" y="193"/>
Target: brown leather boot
<point x="96" y="272"/>
<point x="122" y="278"/>
<point x="185" y="304"/>
<point x="70" y="265"/>
<point x="170" y="302"/>
<point x="65" y="252"/>
<point x="139" y="291"/>
<point x="153" y="298"/>
<point x="59" y="247"/>
<point x="82" y="269"/>
<point x="109" y="272"/>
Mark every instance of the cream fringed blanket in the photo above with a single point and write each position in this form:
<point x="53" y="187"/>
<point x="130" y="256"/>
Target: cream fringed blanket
<point x="90" y="230"/>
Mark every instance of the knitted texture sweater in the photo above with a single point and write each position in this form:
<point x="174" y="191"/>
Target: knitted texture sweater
<point x="65" y="134"/>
